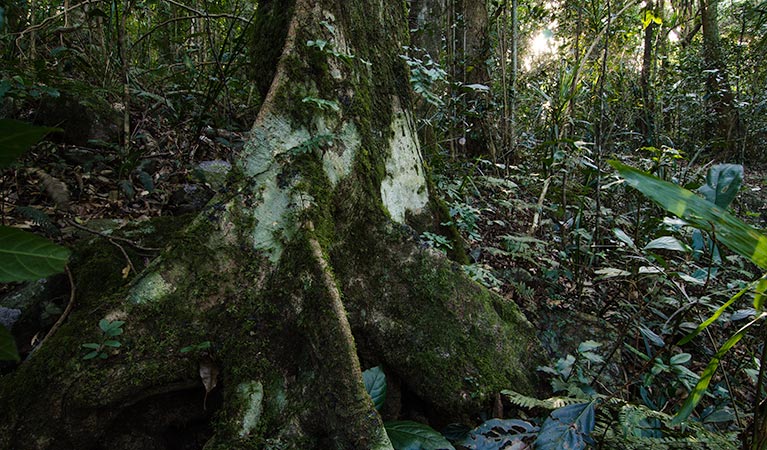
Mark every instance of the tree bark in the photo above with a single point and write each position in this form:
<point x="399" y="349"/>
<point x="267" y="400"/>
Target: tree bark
<point x="721" y="98"/>
<point x="428" y="22"/>
<point x="647" y="122"/>
<point x="307" y="270"/>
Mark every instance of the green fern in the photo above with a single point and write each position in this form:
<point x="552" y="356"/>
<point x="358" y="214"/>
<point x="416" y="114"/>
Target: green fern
<point x="531" y="402"/>
<point x="624" y="426"/>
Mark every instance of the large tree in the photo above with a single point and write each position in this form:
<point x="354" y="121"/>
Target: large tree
<point x="305" y="271"/>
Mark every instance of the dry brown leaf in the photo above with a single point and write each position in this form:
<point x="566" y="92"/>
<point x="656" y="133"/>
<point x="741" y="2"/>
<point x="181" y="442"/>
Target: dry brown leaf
<point x="209" y="376"/>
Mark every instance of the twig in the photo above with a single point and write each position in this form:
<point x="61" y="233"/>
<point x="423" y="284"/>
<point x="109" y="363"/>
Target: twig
<point x="539" y="208"/>
<point x="127" y="258"/>
<point x="113" y="238"/>
<point x="63" y="316"/>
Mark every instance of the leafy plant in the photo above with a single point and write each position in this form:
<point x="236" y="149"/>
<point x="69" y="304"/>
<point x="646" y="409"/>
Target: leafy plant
<point x="23" y="256"/>
<point x="496" y="434"/>
<point x="322" y="104"/>
<point x="375" y="385"/>
<point x="314" y="144"/>
<point x="437" y="241"/>
<point x="736" y="235"/>
<point x="403" y="434"/>
<point x="568" y="427"/>
<point x="109" y="331"/>
<point x="202" y="346"/>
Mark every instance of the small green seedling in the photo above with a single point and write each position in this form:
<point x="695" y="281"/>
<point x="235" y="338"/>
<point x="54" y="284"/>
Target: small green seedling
<point x="109" y="330"/>
<point x="196" y="347"/>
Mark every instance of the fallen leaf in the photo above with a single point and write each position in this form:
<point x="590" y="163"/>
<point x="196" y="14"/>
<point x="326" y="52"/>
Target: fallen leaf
<point x="209" y="376"/>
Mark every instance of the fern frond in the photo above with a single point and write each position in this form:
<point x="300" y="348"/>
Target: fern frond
<point x="531" y="402"/>
<point x="628" y="427"/>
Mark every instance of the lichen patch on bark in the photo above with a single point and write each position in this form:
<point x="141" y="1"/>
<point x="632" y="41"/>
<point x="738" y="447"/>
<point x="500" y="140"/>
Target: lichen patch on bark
<point x="404" y="188"/>
<point x="252" y="395"/>
<point x="150" y="288"/>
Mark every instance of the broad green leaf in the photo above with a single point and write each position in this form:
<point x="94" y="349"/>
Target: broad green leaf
<point x="113" y="344"/>
<point x="722" y="184"/>
<point x="16" y="137"/>
<point x="666" y="243"/>
<point x="705" y="378"/>
<point x="651" y="336"/>
<point x="25" y="256"/>
<point x="568" y="427"/>
<point x="625" y="238"/>
<point x="8" y="351"/>
<point x="759" y="294"/>
<point x="408" y="435"/>
<point x="91" y="355"/>
<point x="91" y="345"/>
<point x="375" y="385"/>
<point x="681" y="358"/>
<point x="727" y="229"/>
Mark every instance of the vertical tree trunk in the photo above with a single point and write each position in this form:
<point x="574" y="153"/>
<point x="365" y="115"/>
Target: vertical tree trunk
<point x="474" y="43"/>
<point x="721" y="98"/>
<point x="428" y="22"/>
<point x="305" y="271"/>
<point x="647" y="121"/>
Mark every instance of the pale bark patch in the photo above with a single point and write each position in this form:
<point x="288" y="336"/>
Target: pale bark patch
<point x="404" y="188"/>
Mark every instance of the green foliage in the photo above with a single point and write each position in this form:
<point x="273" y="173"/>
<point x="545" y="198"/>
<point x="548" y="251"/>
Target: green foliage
<point x="201" y="347"/>
<point x="425" y="76"/>
<point x="313" y="145"/>
<point x="720" y="190"/>
<point x="408" y="435"/>
<point x="322" y="104"/>
<point x="109" y="331"/>
<point x="497" y="434"/>
<point x="25" y="256"/>
<point x="568" y="427"/>
<point x="375" y="385"/>
<point x="738" y="236"/>
<point x="437" y="241"/>
<point x="404" y="434"/>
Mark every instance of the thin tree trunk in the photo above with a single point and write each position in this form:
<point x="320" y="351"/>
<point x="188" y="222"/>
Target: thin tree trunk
<point x="647" y="121"/>
<point x="717" y="82"/>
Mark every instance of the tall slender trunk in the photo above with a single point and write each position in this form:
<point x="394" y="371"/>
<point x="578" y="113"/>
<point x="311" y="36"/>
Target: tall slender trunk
<point x="647" y="121"/>
<point x="721" y="98"/>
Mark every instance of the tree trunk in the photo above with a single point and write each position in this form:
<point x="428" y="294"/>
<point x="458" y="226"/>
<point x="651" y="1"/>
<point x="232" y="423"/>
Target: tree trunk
<point x="474" y="43"/>
<point x="721" y="98"/>
<point x="647" y="121"/>
<point x="307" y="270"/>
<point x="428" y="24"/>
